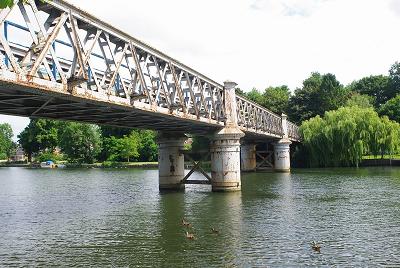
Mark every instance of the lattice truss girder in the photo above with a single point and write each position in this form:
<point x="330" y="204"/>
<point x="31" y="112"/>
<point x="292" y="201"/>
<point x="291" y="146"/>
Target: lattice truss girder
<point x="293" y="131"/>
<point x="90" y="57"/>
<point x="256" y="118"/>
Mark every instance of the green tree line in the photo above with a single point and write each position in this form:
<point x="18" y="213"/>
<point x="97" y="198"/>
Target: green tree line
<point x="340" y="124"/>
<point x="86" y="143"/>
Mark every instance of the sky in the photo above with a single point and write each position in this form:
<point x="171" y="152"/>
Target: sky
<point x="261" y="43"/>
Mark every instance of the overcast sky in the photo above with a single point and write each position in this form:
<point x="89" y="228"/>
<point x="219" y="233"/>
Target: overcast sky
<point x="260" y="43"/>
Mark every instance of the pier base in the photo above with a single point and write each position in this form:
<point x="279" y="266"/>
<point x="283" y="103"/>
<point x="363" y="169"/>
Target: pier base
<point x="171" y="161"/>
<point x="248" y="160"/>
<point x="282" y="155"/>
<point x="225" y="160"/>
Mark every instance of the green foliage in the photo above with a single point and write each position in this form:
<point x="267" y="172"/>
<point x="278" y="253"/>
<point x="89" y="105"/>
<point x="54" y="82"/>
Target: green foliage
<point x="319" y="93"/>
<point x="6" y="3"/>
<point x="343" y="136"/>
<point x="394" y="79"/>
<point x="40" y="135"/>
<point x="123" y="148"/>
<point x="200" y="143"/>
<point x="256" y="96"/>
<point x="6" y="143"/>
<point x="391" y="108"/>
<point x="139" y="144"/>
<point x="375" y="86"/>
<point x="362" y="101"/>
<point x="118" y="132"/>
<point x="80" y="142"/>
<point x="148" y="149"/>
<point x="10" y="3"/>
<point x="276" y="99"/>
<point x="240" y="92"/>
<point x="49" y="156"/>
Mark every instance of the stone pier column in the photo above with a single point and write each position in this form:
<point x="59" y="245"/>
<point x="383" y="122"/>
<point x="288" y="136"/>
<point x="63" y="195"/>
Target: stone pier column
<point x="282" y="155"/>
<point x="171" y="162"/>
<point x="225" y="147"/>
<point x="282" y="149"/>
<point x="248" y="157"/>
<point x="225" y="160"/>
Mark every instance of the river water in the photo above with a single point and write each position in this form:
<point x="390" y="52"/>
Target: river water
<point x="118" y="218"/>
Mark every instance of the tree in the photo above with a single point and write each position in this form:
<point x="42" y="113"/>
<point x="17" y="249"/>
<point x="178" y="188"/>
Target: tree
<point x="332" y="94"/>
<point x="10" y="3"/>
<point x="119" y="132"/>
<point x="130" y="146"/>
<point x="6" y="143"/>
<point x="362" y="101"/>
<point x="256" y="96"/>
<point x="391" y="108"/>
<point x="319" y="93"/>
<point x="375" y="86"/>
<point x="80" y="142"/>
<point x="41" y="135"/>
<point x="6" y="3"/>
<point x="148" y="149"/>
<point x="276" y="99"/>
<point x="343" y="136"/>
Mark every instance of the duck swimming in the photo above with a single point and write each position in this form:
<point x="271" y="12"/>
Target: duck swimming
<point x="189" y="236"/>
<point x="316" y="247"/>
<point x="185" y="223"/>
<point x="214" y="231"/>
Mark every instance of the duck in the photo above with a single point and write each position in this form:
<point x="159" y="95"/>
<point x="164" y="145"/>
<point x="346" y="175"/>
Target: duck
<point x="185" y="223"/>
<point x="316" y="247"/>
<point x="189" y="236"/>
<point x="214" y="231"/>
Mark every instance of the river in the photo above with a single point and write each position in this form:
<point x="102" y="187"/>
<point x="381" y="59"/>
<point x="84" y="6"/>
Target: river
<point x="118" y="218"/>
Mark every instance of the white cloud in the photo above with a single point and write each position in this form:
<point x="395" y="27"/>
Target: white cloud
<point x="302" y="8"/>
<point x="395" y="6"/>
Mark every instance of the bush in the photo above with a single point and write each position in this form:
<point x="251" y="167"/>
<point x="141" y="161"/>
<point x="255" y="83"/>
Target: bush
<point x="49" y="156"/>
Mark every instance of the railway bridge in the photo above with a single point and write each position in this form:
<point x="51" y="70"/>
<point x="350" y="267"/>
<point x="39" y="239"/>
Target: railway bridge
<point x="60" y="62"/>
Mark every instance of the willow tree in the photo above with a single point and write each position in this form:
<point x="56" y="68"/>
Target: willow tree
<point x="343" y="136"/>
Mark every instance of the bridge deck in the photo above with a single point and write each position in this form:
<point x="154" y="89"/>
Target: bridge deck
<point x="22" y="100"/>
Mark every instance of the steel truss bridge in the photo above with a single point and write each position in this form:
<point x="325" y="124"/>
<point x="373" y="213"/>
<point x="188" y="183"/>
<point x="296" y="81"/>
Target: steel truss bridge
<point x="60" y="62"/>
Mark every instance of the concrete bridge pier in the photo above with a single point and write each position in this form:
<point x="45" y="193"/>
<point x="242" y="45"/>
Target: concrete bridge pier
<point x="171" y="161"/>
<point x="248" y="157"/>
<point x="282" y="149"/>
<point x="225" y="147"/>
<point x="282" y="155"/>
<point x="225" y="160"/>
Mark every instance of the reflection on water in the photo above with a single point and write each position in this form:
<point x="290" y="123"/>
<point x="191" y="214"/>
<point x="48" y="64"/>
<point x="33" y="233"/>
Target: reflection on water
<point x="118" y="218"/>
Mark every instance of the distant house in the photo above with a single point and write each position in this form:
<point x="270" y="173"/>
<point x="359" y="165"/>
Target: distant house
<point x="19" y="155"/>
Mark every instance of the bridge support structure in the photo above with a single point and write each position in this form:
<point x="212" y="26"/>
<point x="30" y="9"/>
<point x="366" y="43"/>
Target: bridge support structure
<point x="282" y="149"/>
<point x="248" y="161"/>
<point x="282" y="155"/>
<point x="171" y="161"/>
<point x="225" y="160"/>
<point x="225" y="147"/>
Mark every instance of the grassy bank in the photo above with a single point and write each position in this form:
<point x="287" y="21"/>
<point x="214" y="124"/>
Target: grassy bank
<point x="386" y="156"/>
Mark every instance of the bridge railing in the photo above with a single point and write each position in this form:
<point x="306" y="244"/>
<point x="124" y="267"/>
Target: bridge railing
<point x="293" y="131"/>
<point x="257" y="118"/>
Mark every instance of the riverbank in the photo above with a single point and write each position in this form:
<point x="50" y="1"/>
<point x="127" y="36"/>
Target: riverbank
<point x="94" y="165"/>
<point x="380" y="162"/>
<point x="143" y="165"/>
